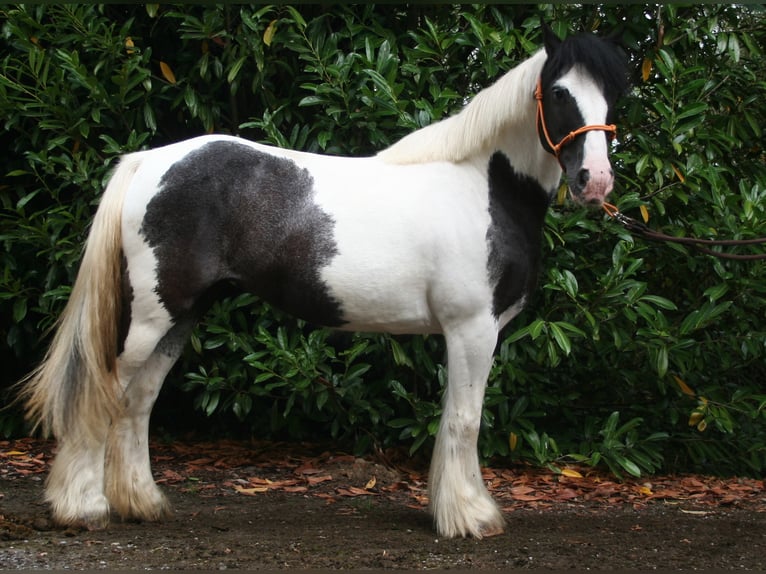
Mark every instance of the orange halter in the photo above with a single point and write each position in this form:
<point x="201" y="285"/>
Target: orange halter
<point x="540" y="120"/>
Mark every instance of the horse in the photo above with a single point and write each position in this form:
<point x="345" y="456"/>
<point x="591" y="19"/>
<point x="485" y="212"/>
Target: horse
<point x="438" y="234"/>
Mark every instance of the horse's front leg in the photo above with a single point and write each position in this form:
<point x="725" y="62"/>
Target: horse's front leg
<point x="459" y="501"/>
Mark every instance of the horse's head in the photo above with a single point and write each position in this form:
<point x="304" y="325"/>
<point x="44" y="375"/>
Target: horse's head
<point x="582" y="78"/>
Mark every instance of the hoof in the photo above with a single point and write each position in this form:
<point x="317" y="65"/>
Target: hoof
<point x="96" y="517"/>
<point x="490" y="530"/>
<point x="152" y="508"/>
<point x="91" y="522"/>
<point x="482" y="521"/>
<point x="159" y="514"/>
<point x="494" y="526"/>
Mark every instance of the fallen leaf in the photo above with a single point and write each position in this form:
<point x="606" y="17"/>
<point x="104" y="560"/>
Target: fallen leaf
<point x="353" y="491"/>
<point x="487" y="474"/>
<point x="307" y="469"/>
<point x="259" y="480"/>
<point x="567" y="494"/>
<point x="313" y="480"/>
<point x="251" y="491"/>
<point x="528" y="497"/>
<point x="519" y="490"/>
<point x="571" y="473"/>
<point x="294" y="489"/>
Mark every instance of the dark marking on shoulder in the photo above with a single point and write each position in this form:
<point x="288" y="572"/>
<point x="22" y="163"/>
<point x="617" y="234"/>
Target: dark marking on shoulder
<point x="227" y="213"/>
<point x="517" y="206"/>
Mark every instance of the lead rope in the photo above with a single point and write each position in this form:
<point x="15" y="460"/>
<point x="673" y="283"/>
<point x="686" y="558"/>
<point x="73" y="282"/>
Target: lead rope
<point x="643" y="231"/>
<point x="628" y="222"/>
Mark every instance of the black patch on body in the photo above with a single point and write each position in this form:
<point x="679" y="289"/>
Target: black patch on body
<point x="229" y="214"/>
<point x="517" y="206"/>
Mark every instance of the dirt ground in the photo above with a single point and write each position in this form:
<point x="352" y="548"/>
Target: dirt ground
<point x="271" y="506"/>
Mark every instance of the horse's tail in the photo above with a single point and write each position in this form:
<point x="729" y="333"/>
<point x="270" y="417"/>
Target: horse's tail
<point x="76" y="386"/>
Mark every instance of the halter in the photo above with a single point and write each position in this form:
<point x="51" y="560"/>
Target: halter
<point x="556" y="148"/>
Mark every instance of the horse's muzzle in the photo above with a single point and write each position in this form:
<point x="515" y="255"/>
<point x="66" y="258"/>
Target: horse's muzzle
<point x="592" y="185"/>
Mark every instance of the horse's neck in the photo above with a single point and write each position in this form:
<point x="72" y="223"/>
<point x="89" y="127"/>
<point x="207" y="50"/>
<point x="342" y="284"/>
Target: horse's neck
<point x="500" y="117"/>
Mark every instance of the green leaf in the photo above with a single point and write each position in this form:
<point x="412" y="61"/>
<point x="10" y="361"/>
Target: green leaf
<point x="629" y="466"/>
<point x="400" y="357"/>
<point x="19" y="310"/>
<point x="149" y="118"/>
<point x="661" y="361"/>
<point x="661" y="302"/>
<point x="692" y="110"/>
<point x="562" y="340"/>
<point x="235" y="68"/>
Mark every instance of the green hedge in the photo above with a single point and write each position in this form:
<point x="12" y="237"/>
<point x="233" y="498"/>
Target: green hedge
<point x="633" y="355"/>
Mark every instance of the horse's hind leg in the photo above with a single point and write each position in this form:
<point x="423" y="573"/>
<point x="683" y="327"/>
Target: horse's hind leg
<point x="78" y="480"/>
<point x="75" y="484"/>
<point x="459" y="500"/>
<point x="129" y="484"/>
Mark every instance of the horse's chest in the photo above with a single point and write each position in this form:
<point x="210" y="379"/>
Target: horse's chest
<point x="517" y="206"/>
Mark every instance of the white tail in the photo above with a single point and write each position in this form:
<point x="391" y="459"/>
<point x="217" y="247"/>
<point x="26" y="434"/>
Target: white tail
<point x="76" y="385"/>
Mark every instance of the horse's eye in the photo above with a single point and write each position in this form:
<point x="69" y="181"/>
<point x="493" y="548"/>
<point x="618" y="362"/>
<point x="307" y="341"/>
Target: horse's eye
<point x="559" y="93"/>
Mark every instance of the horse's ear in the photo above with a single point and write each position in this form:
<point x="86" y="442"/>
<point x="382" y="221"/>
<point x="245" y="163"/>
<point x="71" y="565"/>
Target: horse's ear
<point x="551" y="41"/>
<point x="616" y="36"/>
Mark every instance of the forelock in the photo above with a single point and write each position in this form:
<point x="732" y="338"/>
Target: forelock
<point x="602" y="59"/>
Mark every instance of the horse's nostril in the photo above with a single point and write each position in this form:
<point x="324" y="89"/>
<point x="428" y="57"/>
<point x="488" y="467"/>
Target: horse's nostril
<point x="583" y="176"/>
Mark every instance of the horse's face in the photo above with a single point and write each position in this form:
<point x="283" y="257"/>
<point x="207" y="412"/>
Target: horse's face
<point x="573" y="96"/>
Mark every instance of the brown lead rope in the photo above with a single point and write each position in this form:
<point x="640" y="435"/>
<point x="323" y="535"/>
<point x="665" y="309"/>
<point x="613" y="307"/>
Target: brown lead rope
<point x="642" y="230"/>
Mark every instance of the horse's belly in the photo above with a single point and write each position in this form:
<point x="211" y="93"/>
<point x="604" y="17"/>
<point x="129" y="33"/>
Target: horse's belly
<point x="406" y="283"/>
<point x="375" y="308"/>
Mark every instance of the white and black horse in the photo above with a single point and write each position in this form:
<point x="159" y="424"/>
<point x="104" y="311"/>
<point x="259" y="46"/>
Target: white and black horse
<point x="440" y="233"/>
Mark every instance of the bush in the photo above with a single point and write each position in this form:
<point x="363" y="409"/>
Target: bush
<point x="634" y="355"/>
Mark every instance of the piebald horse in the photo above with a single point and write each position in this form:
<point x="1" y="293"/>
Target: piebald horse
<point x="439" y="233"/>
